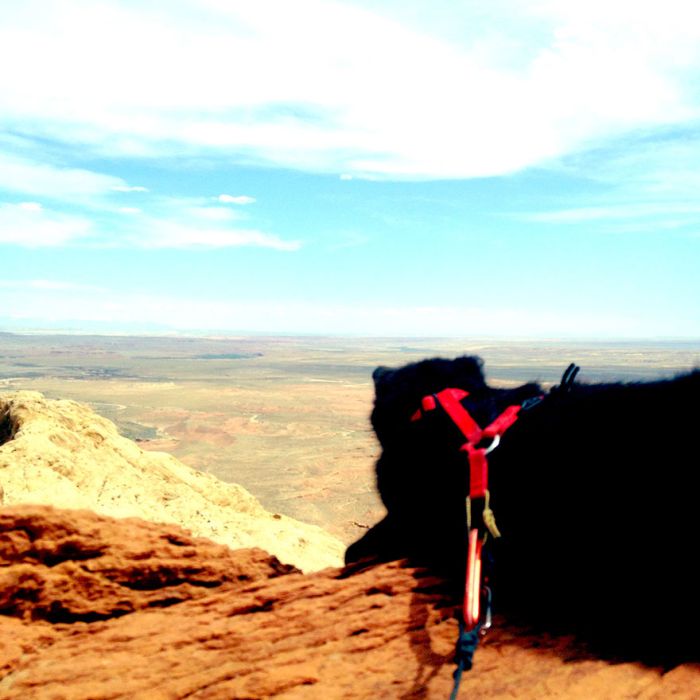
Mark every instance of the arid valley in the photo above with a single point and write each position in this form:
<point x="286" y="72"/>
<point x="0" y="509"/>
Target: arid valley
<point x="287" y="418"/>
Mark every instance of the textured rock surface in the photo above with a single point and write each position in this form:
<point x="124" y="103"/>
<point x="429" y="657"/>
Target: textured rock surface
<point x="69" y="566"/>
<point x="382" y="632"/>
<point x="61" y="453"/>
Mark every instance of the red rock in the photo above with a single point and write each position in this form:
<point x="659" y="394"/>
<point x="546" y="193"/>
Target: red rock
<point x="381" y="632"/>
<point x="68" y="566"/>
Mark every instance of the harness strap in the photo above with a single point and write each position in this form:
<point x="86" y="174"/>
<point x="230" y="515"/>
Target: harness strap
<point x="450" y="400"/>
<point x="502" y="423"/>
<point x="478" y="470"/>
<point x="470" y="624"/>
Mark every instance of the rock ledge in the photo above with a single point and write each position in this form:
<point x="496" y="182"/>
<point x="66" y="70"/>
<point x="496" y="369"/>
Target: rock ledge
<point x="182" y="617"/>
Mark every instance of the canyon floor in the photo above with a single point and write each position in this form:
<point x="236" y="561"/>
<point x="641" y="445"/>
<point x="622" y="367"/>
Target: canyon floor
<point x="287" y="418"/>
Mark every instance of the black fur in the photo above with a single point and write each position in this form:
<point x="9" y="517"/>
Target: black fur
<point x="596" y="492"/>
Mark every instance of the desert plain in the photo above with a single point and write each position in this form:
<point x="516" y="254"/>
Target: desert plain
<point x="286" y="417"/>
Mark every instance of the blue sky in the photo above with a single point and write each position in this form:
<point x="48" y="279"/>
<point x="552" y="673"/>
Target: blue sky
<point x="501" y="169"/>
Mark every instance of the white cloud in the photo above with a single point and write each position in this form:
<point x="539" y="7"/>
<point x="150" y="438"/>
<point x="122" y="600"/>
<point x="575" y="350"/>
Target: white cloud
<point x="163" y="223"/>
<point x="240" y="199"/>
<point x="31" y="177"/>
<point x="623" y="211"/>
<point x="129" y="188"/>
<point x="33" y="226"/>
<point x="658" y="165"/>
<point x="170" y="233"/>
<point x="331" y="87"/>
<point x="30" y="206"/>
<point x="188" y="222"/>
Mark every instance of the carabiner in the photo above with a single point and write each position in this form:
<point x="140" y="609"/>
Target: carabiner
<point x="472" y="588"/>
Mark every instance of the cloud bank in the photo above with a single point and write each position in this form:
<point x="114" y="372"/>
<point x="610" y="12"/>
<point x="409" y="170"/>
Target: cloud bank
<point x="334" y="87"/>
<point x="142" y="126"/>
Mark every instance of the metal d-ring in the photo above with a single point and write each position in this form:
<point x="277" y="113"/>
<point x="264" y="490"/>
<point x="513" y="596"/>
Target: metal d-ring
<point x="494" y="444"/>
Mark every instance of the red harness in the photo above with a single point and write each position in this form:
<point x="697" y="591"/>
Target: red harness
<point x="450" y="400"/>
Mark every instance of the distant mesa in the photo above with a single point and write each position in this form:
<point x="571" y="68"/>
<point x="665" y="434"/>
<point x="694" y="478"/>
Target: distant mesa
<point x="63" y="454"/>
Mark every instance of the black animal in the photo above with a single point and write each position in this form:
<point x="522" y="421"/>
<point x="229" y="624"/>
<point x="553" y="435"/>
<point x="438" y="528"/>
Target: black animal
<point x="595" y="489"/>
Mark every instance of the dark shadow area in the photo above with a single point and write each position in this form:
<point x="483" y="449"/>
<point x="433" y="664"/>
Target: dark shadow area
<point x="596" y="505"/>
<point x="155" y="580"/>
<point x="430" y="594"/>
<point x="67" y="551"/>
<point x="435" y="600"/>
<point x="7" y="426"/>
<point x="57" y="614"/>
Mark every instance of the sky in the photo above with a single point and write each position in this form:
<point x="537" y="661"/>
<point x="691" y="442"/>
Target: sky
<point x="416" y="168"/>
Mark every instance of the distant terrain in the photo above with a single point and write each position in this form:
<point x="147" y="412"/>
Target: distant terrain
<point x="287" y="418"/>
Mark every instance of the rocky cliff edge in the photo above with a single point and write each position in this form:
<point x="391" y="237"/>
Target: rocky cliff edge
<point x="61" y="453"/>
<point x="96" y="608"/>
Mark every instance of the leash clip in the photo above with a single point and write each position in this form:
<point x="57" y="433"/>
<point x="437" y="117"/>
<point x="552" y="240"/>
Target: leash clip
<point x="477" y="597"/>
<point x="472" y="588"/>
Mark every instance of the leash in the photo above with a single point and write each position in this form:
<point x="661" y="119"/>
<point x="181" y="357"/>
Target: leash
<point x="466" y="646"/>
<point x="481" y="521"/>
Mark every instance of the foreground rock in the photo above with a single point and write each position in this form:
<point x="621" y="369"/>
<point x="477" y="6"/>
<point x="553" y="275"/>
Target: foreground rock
<point x="215" y="624"/>
<point x="70" y="566"/>
<point x="61" y="453"/>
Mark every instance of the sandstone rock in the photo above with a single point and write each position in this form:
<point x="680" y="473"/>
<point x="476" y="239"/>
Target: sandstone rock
<point x="379" y="632"/>
<point x="69" y="566"/>
<point x="61" y="453"/>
